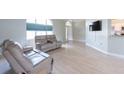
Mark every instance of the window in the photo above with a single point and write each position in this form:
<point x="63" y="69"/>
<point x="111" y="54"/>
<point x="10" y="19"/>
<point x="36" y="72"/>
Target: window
<point x="30" y="20"/>
<point x="38" y="27"/>
<point x="41" y="21"/>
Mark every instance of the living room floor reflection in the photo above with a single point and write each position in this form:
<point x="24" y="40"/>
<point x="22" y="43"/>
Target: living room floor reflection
<point x="77" y="58"/>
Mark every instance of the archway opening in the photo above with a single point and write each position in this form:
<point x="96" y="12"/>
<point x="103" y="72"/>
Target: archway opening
<point x="68" y="33"/>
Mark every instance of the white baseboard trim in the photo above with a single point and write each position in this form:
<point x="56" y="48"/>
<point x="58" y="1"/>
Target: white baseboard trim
<point x="80" y="41"/>
<point x="105" y="52"/>
<point x="116" y="55"/>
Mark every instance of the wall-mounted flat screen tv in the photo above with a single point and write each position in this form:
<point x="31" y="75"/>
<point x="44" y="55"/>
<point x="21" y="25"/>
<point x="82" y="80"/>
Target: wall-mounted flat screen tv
<point x="97" y="26"/>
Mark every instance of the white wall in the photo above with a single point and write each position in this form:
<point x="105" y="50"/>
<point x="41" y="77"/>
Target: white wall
<point x="78" y="29"/>
<point x="97" y="39"/>
<point x="59" y="29"/>
<point x="104" y="40"/>
<point x="14" y="29"/>
<point x="116" y="45"/>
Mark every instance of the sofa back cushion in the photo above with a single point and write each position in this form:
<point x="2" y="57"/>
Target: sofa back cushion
<point x="51" y="38"/>
<point x="40" y="39"/>
<point x="45" y="39"/>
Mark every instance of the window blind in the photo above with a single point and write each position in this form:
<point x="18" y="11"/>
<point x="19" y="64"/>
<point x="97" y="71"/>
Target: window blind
<point x="38" y="27"/>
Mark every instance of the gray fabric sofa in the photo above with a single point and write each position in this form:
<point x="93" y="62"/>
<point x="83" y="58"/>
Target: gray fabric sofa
<point x="47" y="43"/>
<point x="26" y="60"/>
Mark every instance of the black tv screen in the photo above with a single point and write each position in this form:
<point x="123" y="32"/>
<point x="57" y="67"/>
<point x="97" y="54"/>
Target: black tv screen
<point x="97" y="26"/>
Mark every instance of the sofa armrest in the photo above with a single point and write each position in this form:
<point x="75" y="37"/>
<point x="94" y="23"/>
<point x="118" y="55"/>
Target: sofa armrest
<point x="59" y="44"/>
<point x="38" y="46"/>
<point x="27" y="48"/>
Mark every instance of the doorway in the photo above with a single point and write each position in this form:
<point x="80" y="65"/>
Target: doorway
<point x="69" y="34"/>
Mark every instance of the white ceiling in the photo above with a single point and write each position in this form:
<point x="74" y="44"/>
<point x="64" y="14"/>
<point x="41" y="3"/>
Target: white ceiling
<point x="74" y="20"/>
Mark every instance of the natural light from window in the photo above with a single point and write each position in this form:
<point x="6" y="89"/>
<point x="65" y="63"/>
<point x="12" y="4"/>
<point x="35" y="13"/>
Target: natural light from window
<point x="32" y="34"/>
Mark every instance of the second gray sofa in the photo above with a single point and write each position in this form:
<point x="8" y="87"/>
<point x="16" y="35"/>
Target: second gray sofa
<point x="47" y="42"/>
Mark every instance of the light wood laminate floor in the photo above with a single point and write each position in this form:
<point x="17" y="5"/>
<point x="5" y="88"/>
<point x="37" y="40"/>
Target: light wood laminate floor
<point x="76" y="58"/>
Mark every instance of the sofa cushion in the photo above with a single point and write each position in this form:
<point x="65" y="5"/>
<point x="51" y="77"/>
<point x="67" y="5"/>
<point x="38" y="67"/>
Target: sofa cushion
<point x="49" y="41"/>
<point x="40" y="39"/>
<point x="51" y="38"/>
<point x="43" y="41"/>
<point x="35" y="58"/>
<point x="49" y="46"/>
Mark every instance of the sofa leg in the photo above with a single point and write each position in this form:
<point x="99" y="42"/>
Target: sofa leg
<point x="51" y="69"/>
